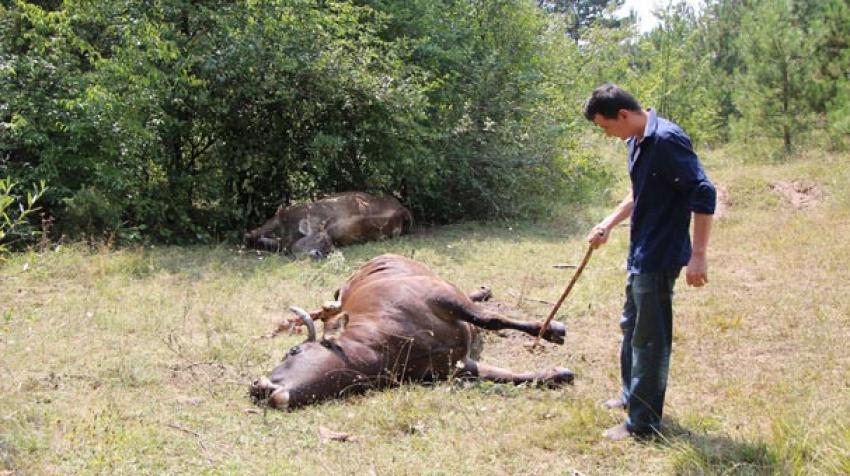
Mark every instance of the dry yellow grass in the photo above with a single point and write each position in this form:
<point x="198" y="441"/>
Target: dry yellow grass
<point x="136" y="361"/>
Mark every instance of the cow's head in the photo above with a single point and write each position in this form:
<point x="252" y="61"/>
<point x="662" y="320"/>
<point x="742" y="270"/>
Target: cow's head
<point x="310" y="371"/>
<point x="266" y="236"/>
<point x="315" y="242"/>
<point x="308" y="239"/>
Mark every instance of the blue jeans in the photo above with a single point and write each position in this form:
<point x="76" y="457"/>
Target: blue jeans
<point x="647" y="325"/>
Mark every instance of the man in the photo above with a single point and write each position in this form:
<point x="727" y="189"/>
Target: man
<point x="668" y="185"/>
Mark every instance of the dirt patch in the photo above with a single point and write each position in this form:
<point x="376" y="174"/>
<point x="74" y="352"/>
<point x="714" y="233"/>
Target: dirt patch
<point x="801" y="194"/>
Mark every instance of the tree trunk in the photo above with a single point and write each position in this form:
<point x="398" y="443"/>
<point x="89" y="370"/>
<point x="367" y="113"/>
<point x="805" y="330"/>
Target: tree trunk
<point x="786" y="113"/>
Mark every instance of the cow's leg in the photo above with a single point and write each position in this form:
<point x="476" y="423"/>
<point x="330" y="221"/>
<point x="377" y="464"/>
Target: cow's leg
<point x="553" y="377"/>
<point x="483" y="293"/>
<point x="491" y="321"/>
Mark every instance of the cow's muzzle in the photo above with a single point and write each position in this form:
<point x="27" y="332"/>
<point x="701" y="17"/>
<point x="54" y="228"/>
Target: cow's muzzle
<point x="265" y="392"/>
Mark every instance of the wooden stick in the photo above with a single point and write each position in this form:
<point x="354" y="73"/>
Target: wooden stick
<point x="563" y="296"/>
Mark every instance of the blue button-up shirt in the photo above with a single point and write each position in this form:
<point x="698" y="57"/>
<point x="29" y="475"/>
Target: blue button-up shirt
<point x="668" y="183"/>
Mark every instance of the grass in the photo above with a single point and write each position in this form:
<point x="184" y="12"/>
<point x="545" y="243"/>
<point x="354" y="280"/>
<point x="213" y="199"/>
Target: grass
<point x="137" y="360"/>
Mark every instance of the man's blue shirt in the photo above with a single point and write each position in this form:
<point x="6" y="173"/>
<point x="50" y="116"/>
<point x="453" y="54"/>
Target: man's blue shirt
<point x="668" y="183"/>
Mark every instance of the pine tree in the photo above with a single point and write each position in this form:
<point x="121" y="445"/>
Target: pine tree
<point x="579" y="15"/>
<point x="773" y="81"/>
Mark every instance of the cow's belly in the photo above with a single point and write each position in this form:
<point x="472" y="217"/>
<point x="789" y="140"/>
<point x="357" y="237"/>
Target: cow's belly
<point x="411" y="342"/>
<point x="350" y="230"/>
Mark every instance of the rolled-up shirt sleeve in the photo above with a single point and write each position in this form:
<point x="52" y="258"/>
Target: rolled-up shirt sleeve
<point x="683" y="171"/>
<point x="703" y="198"/>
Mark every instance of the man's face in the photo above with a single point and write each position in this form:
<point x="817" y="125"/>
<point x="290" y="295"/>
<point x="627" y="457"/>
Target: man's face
<point x="618" y="127"/>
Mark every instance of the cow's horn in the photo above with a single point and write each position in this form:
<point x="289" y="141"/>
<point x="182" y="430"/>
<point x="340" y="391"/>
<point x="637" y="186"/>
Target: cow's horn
<point x="308" y="321"/>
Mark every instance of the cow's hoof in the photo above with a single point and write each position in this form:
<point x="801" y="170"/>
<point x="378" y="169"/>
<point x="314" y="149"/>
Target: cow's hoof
<point x="483" y="293"/>
<point x="555" y="332"/>
<point x="560" y="376"/>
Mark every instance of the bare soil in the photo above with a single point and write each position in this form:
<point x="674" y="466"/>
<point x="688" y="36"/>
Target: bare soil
<point x="801" y="194"/>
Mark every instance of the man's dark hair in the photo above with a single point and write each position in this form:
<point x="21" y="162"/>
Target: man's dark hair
<point x="607" y="100"/>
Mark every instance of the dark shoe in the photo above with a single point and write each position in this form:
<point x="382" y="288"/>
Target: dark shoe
<point x="617" y="433"/>
<point x="614" y="404"/>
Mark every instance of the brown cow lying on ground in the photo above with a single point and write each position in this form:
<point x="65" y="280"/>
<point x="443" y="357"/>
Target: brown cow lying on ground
<point x="396" y="321"/>
<point x="314" y="229"/>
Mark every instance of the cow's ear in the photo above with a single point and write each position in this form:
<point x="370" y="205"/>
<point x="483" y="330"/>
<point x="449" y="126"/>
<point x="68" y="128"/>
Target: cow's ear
<point x="334" y="327"/>
<point x="304" y="227"/>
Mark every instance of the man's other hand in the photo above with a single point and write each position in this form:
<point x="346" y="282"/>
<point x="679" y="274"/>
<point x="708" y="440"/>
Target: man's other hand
<point x="697" y="271"/>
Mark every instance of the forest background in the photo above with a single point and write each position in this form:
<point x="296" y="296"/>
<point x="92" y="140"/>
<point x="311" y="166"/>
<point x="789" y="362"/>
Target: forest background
<point x="186" y="121"/>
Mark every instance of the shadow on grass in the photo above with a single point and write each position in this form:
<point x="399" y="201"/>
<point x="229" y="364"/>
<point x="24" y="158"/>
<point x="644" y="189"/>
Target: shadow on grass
<point x="465" y="243"/>
<point x="460" y="243"/>
<point x="699" y="453"/>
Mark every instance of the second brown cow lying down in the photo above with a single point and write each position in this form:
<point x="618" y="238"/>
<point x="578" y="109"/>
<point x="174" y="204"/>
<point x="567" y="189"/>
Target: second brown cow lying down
<point x="315" y="229"/>
<point x="395" y="321"/>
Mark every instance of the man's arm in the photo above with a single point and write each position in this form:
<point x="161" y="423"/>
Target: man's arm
<point x="685" y="174"/>
<point x="599" y="235"/>
<point x="697" y="271"/>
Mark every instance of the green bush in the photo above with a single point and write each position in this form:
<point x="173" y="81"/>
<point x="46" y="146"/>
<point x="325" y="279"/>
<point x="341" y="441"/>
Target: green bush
<point x="198" y="120"/>
<point x="88" y="214"/>
<point x="15" y="213"/>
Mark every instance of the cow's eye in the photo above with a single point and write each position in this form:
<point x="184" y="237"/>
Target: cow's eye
<point x="295" y="350"/>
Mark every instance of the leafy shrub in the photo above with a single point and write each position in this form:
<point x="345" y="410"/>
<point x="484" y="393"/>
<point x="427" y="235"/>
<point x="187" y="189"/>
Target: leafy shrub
<point x="89" y="213"/>
<point x="15" y="212"/>
<point x="188" y="123"/>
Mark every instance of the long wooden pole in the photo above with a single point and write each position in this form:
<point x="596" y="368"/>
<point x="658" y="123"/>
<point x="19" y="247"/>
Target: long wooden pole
<point x="563" y="296"/>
